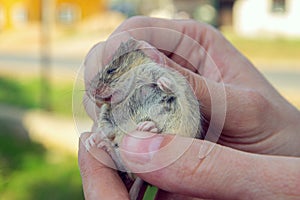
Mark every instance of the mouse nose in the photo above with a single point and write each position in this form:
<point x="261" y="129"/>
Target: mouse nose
<point x="103" y="92"/>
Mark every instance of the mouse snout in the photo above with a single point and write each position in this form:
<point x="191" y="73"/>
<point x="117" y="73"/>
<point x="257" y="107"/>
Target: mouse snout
<point x="103" y="93"/>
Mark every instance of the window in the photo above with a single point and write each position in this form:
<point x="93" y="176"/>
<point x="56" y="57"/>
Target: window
<point x="68" y="14"/>
<point x="278" y="6"/>
<point x="2" y="17"/>
<point x="19" y="15"/>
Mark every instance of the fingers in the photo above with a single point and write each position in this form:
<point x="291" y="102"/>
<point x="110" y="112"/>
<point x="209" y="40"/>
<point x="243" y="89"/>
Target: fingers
<point x="189" y="43"/>
<point x="167" y="36"/>
<point x="99" y="181"/>
<point x="93" y="63"/>
<point x="187" y="175"/>
<point x="224" y="174"/>
<point x="193" y="29"/>
<point x="228" y="107"/>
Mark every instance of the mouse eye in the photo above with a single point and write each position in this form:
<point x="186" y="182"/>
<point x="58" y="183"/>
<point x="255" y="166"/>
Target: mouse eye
<point x="112" y="70"/>
<point x="171" y="99"/>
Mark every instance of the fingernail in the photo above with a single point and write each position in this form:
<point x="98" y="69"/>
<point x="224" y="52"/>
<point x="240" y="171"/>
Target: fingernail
<point x="140" y="150"/>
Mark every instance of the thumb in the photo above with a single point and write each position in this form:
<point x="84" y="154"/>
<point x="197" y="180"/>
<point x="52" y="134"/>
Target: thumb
<point x="172" y="163"/>
<point x="225" y="173"/>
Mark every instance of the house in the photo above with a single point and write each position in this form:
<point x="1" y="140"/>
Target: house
<point x="18" y="13"/>
<point x="267" y="17"/>
<point x="72" y="11"/>
<point x="215" y="12"/>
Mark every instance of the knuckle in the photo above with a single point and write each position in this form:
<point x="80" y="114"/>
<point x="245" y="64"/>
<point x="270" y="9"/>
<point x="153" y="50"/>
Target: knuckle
<point x="258" y="108"/>
<point x="135" y="21"/>
<point x="258" y="101"/>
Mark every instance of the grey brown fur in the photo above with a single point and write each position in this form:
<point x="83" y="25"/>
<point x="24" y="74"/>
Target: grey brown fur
<point x="135" y="93"/>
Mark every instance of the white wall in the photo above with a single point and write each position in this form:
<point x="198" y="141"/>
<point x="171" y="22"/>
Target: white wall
<point x="254" y="18"/>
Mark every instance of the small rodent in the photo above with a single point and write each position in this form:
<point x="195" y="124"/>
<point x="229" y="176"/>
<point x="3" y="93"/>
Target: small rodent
<point x="136" y="93"/>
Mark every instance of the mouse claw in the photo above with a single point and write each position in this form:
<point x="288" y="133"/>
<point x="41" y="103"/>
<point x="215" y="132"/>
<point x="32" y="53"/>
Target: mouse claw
<point x="90" y="142"/>
<point x="106" y="146"/>
<point x="147" y="126"/>
<point x="95" y="140"/>
<point x="166" y="85"/>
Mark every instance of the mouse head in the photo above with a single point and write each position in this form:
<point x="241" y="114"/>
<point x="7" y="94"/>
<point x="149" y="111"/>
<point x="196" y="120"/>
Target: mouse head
<point x="127" y="57"/>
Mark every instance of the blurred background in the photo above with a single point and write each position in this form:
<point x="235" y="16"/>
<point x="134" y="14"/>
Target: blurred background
<point x="42" y="45"/>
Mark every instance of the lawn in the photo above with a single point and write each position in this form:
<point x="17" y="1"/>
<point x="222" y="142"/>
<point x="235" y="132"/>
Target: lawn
<point x="26" y="93"/>
<point x="270" y="51"/>
<point x="27" y="169"/>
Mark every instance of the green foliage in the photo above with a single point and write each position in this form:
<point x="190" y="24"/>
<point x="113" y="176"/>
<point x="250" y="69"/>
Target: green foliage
<point x="26" y="93"/>
<point x="61" y="98"/>
<point x="150" y="193"/>
<point x="269" y="49"/>
<point x="18" y="93"/>
<point x="28" y="171"/>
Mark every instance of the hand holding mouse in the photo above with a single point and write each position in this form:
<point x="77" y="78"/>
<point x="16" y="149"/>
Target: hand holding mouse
<point x="258" y="120"/>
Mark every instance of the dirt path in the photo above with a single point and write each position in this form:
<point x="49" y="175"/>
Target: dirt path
<point x="55" y="132"/>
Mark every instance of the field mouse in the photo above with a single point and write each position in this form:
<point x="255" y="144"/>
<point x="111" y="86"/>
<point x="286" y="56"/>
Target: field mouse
<point x="136" y="93"/>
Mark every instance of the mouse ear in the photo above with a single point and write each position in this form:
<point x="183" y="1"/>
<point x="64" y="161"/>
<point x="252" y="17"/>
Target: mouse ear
<point x="126" y="47"/>
<point x="132" y="44"/>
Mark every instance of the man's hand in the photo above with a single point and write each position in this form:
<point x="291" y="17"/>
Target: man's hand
<point x="257" y="118"/>
<point x="224" y="174"/>
<point x="99" y="181"/>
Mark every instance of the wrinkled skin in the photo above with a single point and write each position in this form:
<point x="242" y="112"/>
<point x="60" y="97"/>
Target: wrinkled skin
<point x="258" y="119"/>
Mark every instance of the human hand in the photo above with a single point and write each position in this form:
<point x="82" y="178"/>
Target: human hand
<point x="99" y="181"/>
<point x="224" y="174"/>
<point x="257" y="118"/>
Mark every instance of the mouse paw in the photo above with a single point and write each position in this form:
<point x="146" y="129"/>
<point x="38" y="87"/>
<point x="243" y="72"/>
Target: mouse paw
<point x="98" y="140"/>
<point x="166" y="85"/>
<point x="106" y="146"/>
<point x="147" y="126"/>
